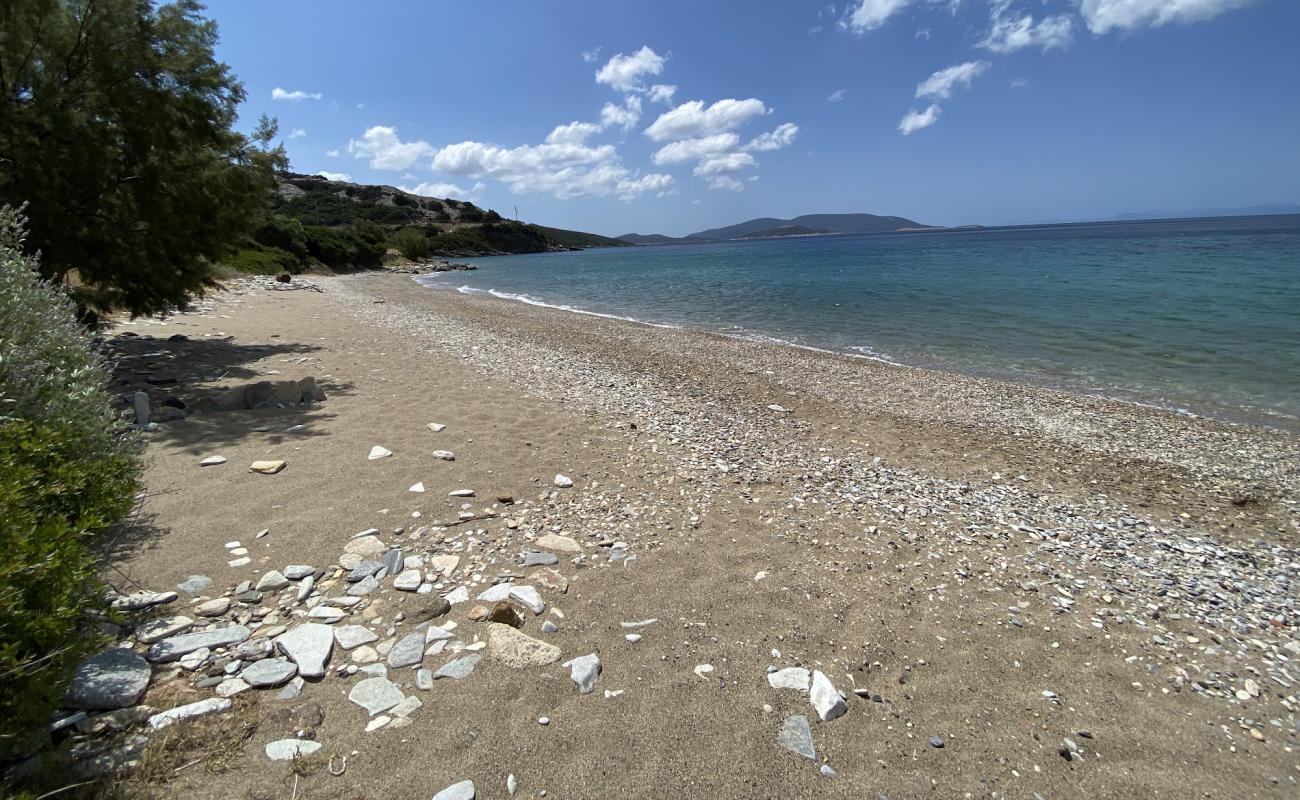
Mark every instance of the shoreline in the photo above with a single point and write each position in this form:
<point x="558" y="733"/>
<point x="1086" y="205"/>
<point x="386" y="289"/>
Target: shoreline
<point x="995" y="565"/>
<point x="1238" y="415"/>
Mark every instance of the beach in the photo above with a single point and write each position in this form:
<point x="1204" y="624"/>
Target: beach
<point x="1015" y="591"/>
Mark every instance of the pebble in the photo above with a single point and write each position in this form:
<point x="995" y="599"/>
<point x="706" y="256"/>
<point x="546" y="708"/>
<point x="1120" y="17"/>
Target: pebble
<point x="378" y="452"/>
<point x="418" y="488"/>
<point x="269" y="672"/>
<point x="458" y="668"/>
<point x="296" y="572"/>
<point x="376" y="695"/>
<point x="564" y="544"/>
<point x="212" y="461"/>
<point x="408" y="650"/>
<point x="563" y="481"/>
<point x="457" y="791"/>
<point x="790" y="678"/>
<point x="444" y="455"/>
<point x="161" y="628"/>
<point x="584" y="671"/>
<point x="195" y="584"/>
<point x="436" y="428"/>
<point x="518" y="650"/>
<point x="267" y="467"/>
<point x="825" y="699"/>
<point x="795" y="735"/>
<point x="289" y="749"/>
<point x="936" y="742"/>
<point x="272" y="581"/>
<point x="326" y="614"/>
<point x="213" y="705"/>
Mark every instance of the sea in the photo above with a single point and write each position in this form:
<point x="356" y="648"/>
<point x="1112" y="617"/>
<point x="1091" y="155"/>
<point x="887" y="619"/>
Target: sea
<point x="1200" y="316"/>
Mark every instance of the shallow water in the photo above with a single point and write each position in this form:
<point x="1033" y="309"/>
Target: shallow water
<point x="1202" y="315"/>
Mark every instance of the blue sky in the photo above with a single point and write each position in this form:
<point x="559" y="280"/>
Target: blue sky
<point x="696" y="114"/>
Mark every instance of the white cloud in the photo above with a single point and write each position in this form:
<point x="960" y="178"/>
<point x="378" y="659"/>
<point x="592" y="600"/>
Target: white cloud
<point x="782" y="136"/>
<point x="662" y="93"/>
<point x="335" y="176"/>
<point x="695" y="149"/>
<point x="624" y="116"/>
<point x="1009" y="34"/>
<point x="590" y="56"/>
<point x="283" y="94"/>
<point x="624" y="72"/>
<point x="941" y="83"/>
<point x="693" y="120"/>
<point x="725" y="182"/>
<point x="814" y="30"/>
<point x="1103" y="16"/>
<point x="922" y="33"/>
<point x="573" y="133"/>
<point x="723" y="163"/>
<point x="835" y="96"/>
<point x="332" y="153"/>
<point x="916" y="120"/>
<point x="868" y="15"/>
<point x="385" y="151"/>
<point x="433" y="189"/>
<point x="297" y="133"/>
<point x="1019" y="83"/>
<point x="565" y="170"/>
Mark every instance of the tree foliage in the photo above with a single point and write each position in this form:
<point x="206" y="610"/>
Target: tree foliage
<point x="116" y="127"/>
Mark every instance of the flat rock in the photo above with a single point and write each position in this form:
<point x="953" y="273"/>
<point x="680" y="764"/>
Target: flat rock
<point x="309" y="647"/>
<point x="174" y="647"/>
<point x="528" y="597"/>
<point x="393" y="561"/>
<point x="112" y="679"/>
<point x="213" y="608"/>
<point x="363" y="570"/>
<point x="432" y="609"/>
<point x="296" y="572"/>
<point x="195" y="584"/>
<point x="363" y="587"/>
<point x="584" y="670"/>
<point x="408" y="580"/>
<point x="436" y="427"/>
<point x="496" y="594"/>
<point x="272" y="581"/>
<point x="551" y="579"/>
<point x="564" y="544"/>
<point x="231" y="687"/>
<point x="458" y="668"/>
<point x="351" y="636"/>
<point x="157" y="629"/>
<point x="378" y="452"/>
<point x="326" y="614"/>
<point x="408" y="651"/>
<point x="141" y="600"/>
<point x="534" y="558"/>
<point x="825" y="699"/>
<point x="418" y="488"/>
<point x="457" y="791"/>
<point x="267" y="467"/>
<point x="444" y="455"/>
<point x="562" y="481"/>
<point x="789" y="678"/>
<point x="212" y="461"/>
<point x="796" y="736"/>
<point x="213" y="705"/>
<point x="376" y="695"/>
<point x="269" y="672"/>
<point x="365" y="546"/>
<point x="519" y="650"/>
<point x="444" y="565"/>
<point x="289" y="749"/>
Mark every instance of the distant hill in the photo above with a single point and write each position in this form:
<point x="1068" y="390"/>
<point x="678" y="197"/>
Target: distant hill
<point x="786" y="230"/>
<point x="1189" y="213"/>
<point x="811" y="223"/>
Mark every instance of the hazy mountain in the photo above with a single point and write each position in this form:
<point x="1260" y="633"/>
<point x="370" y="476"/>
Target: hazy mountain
<point x="1187" y="213"/>
<point x="817" y="223"/>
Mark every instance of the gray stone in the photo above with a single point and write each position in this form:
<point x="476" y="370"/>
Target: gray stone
<point x="790" y="678"/>
<point x="519" y="650"/>
<point x="432" y="609"/>
<point x="564" y="544"/>
<point x="112" y="679"/>
<point x="272" y="581"/>
<point x="363" y="587"/>
<point x="424" y="679"/>
<point x="393" y="561"/>
<point x="350" y="636"/>
<point x="458" y="668"/>
<point x="309" y="647"/>
<point x="140" y="402"/>
<point x="584" y="671"/>
<point x="305" y="588"/>
<point x="195" y="584"/>
<point x="376" y="695"/>
<point x="366" y="546"/>
<point x="255" y="649"/>
<point x="408" y="706"/>
<point x="408" y="581"/>
<point x="563" y="481"/>
<point x="213" y="705"/>
<point x="231" y="687"/>
<point x="796" y="736"/>
<point x="268" y="672"/>
<point x="141" y="600"/>
<point x="534" y="558"/>
<point x="457" y="791"/>
<point x="327" y="614"/>
<point x="292" y="690"/>
<point x="496" y="594"/>
<point x="173" y="648"/>
<point x="444" y="455"/>
<point x="296" y="572"/>
<point x="151" y="632"/>
<point x="289" y="749"/>
<point x="936" y="742"/>
<point x="214" y="607"/>
<point x="409" y="650"/>
<point x="364" y="570"/>
<point x="825" y="699"/>
<point x="528" y="597"/>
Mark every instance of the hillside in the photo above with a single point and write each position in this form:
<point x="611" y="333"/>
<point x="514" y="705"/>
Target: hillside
<point x="785" y="230"/>
<point x="767" y="227"/>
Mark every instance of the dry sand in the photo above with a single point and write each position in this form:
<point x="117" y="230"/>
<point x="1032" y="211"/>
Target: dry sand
<point x="955" y="547"/>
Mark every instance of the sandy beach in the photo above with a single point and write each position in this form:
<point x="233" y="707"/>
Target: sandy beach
<point x="1016" y="592"/>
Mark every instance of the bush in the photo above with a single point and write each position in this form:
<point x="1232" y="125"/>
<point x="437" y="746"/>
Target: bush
<point x="358" y="247"/>
<point x="65" y="476"/>
<point x="284" y="233"/>
<point x="258" y="260"/>
<point x="412" y="243"/>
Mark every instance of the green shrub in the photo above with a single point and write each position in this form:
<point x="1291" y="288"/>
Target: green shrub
<point x="412" y="243"/>
<point x="66" y="474"/>
<point x="284" y="233"/>
<point x="258" y="260"/>
<point x="358" y="247"/>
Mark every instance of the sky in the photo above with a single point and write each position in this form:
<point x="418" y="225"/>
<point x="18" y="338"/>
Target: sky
<point x="673" y="117"/>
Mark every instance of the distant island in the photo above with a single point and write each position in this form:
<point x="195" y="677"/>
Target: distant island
<point x="770" y="227"/>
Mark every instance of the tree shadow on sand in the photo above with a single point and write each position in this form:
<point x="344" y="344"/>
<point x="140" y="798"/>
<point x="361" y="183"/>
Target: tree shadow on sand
<point x="181" y="371"/>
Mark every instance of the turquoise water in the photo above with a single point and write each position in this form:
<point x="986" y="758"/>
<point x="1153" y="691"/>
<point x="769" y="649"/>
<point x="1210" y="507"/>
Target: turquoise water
<point x="1201" y="315"/>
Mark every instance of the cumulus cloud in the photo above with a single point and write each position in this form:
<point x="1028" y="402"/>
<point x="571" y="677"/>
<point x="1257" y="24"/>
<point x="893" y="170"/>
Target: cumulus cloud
<point x="1011" y="33"/>
<point x="333" y="153"/>
<point x="662" y="93"/>
<point x="624" y="116"/>
<point x="835" y="96"/>
<point x="335" y="176"/>
<point x="385" y="150"/>
<point x="297" y="133"/>
<point x="624" y="72"/>
<point x="590" y="56"/>
<point x="723" y="163"/>
<point x="694" y="149"/>
<point x="941" y="83"/>
<point x="725" y="182"/>
<point x="573" y="133"/>
<point x="782" y="136"/>
<point x="916" y="120"/>
<point x="693" y="119"/>
<point x="283" y="94"/>
<point x="867" y="15"/>
<point x="1102" y="16"/>
<point x="563" y="169"/>
<point x="440" y="190"/>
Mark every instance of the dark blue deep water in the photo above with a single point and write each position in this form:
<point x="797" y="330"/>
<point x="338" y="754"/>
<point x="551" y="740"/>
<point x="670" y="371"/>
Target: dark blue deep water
<point x="1202" y="315"/>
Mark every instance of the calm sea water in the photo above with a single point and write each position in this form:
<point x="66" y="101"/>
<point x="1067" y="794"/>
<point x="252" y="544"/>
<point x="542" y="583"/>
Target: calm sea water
<point x="1202" y="315"/>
